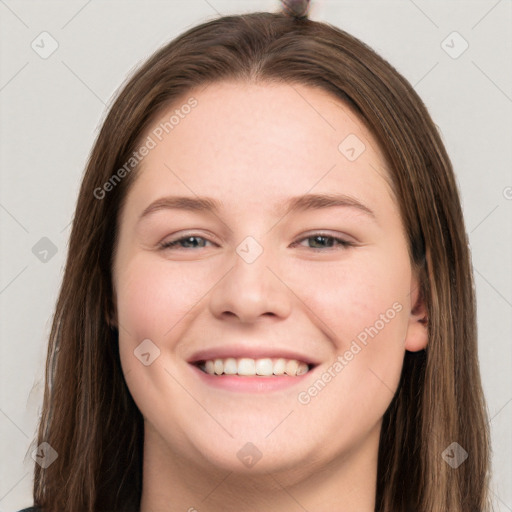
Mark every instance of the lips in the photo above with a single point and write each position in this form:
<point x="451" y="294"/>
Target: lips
<point x="259" y="370"/>
<point x="251" y="362"/>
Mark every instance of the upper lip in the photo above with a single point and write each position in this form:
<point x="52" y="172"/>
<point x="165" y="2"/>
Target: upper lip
<point x="251" y="352"/>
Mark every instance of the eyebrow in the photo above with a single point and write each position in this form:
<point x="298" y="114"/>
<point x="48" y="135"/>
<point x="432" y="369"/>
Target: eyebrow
<point x="294" y="204"/>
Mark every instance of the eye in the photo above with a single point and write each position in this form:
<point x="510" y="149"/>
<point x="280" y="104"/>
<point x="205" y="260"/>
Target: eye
<point x="320" y="241"/>
<point x="185" y="242"/>
<point x="325" y="241"/>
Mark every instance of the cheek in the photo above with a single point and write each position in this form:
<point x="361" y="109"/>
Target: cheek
<point x="154" y="295"/>
<point x="364" y="312"/>
<point x="359" y="293"/>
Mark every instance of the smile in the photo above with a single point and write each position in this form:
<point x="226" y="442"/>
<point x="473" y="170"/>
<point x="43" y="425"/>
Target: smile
<point x="245" y="366"/>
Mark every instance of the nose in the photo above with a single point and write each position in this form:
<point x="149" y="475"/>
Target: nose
<point x="251" y="290"/>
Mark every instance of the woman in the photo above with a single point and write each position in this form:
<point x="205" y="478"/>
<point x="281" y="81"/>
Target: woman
<point x="267" y="302"/>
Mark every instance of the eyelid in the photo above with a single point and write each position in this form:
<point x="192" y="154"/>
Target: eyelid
<point x="320" y="232"/>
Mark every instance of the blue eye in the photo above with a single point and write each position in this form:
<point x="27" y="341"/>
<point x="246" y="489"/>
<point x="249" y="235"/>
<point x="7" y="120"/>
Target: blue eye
<point x="320" y="238"/>
<point x="183" y="240"/>
<point x="322" y="241"/>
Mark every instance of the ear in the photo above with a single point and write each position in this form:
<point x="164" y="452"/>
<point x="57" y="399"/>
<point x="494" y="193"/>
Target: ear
<point x="417" y="330"/>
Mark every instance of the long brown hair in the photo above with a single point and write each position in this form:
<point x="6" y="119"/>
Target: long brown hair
<point x="89" y="417"/>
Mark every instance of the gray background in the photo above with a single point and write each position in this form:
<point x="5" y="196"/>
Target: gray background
<point x="51" y="110"/>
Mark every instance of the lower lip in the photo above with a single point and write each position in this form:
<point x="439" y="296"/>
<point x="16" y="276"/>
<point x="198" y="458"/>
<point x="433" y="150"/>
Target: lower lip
<point x="256" y="384"/>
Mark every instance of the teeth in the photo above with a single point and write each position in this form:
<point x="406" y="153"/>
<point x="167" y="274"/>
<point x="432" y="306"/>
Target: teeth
<point x="302" y="369"/>
<point x="291" y="367"/>
<point x="264" y="367"/>
<point x="279" y="367"/>
<point x="218" y="366"/>
<point x="246" y="366"/>
<point x="230" y="366"/>
<point x="209" y="367"/>
<point x="250" y="367"/>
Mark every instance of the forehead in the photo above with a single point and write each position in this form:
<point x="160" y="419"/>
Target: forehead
<point x="242" y="142"/>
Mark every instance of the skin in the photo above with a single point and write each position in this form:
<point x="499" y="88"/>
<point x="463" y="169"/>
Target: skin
<point x="252" y="146"/>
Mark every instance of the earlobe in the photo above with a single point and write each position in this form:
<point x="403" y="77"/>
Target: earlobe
<point x="417" y="331"/>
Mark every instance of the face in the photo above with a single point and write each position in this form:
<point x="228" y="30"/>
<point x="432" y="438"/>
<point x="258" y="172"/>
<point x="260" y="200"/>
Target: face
<point x="256" y="287"/>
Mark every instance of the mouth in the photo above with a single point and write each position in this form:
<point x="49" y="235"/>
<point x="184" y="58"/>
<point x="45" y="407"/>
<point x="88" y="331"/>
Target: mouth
<point x="248" y="367"/>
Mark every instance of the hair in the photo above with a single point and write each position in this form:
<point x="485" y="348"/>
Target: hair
<point x="88" y="414"/>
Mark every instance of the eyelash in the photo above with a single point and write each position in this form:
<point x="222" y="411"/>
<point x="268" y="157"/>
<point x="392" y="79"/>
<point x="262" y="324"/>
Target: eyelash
<point x="343" y="243"/>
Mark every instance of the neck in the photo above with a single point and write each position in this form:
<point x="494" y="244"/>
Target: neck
<point x="344" y="484"/>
